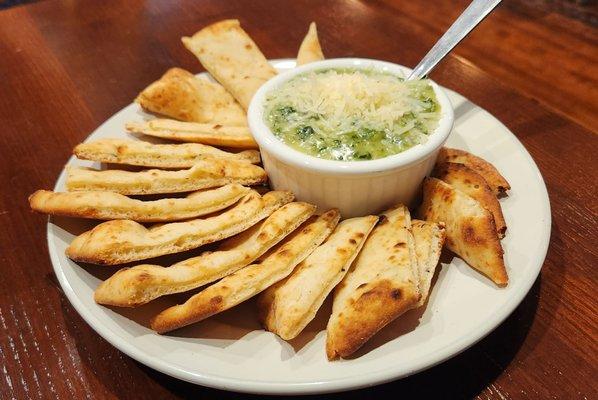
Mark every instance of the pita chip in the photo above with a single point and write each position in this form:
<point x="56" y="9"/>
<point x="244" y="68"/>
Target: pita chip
<point x="194" y="132"/>
<point x="310" y="49"/>
<point x="496" y="181"/>
<point x="381" y="285"/>
<point x="465" y="179"/>
<point x="122" y="241"/>
<point x="181" y="95"/>
<point x="470" y="229"/>
<point x="109" y="205"/>
<point x="232" y="58"/>
<point x="137" y="152"/>
<point x="203" y="175"/>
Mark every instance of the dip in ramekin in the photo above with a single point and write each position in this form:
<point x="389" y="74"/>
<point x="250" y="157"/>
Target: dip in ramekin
<point x="352" y="114"/>
<point x="349" y="133"/>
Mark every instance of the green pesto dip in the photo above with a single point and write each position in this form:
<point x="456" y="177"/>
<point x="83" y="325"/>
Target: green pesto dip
<point x="351" y="114"/>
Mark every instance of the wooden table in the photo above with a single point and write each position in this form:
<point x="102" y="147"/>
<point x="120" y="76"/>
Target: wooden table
<point x="67" y="66"/>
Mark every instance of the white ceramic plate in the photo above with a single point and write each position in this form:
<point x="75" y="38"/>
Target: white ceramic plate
<point x="230" y="351"/>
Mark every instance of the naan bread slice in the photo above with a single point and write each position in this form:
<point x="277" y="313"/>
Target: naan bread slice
<point x="122" y="241"/>
<point x="230" y="56"/>
<point x="181" y="95"/>
<point x="381" y="285"/>
<point x="496" y="181"/>
<point x="212" y="134"/>
<point x="429" y="239"/>
<point x="131" y="287"/>
<point x="203" y="175"/>
<point x="465" y="179"/>
<point x="251" y="280"/>
<point x="289" y="305"/>
<point x="137" y="152"/>
<point x="470" y="229"/>
<point x="310" y="49"/>
<point x="110" y="205"/>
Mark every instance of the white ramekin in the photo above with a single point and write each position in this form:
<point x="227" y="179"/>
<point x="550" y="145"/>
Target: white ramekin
<point x="356" y="188"/>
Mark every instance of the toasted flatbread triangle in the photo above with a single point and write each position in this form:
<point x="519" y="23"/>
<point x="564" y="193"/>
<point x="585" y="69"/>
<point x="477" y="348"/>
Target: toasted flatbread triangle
<point x="137" y="152"/>
<point x="181" y="95"/>
<point x="496" y="181"/>
<point x="121" y="241"/>
<point x="230" y="56"/>
<point x="203" y="175"/>
<point x="310" y="49"/>
<point x="465" y="179"/>
<point x="131" y="287"/>
<point x="429" y="239"/>
<point x="381" y="285"/>
<point x="193" y="132"/>
<point x="288" y="306"/>
<point x="251" y="280"/>
<point x="110" y="205"/>
<point x="470" y="229"/>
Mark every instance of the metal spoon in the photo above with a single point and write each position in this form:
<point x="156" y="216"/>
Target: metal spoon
<point x="469" y="19"/>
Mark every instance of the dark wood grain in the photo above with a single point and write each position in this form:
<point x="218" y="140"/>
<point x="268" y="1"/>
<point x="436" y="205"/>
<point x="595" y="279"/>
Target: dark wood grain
<point x="531" y="45"/>
<point x="67" y="66"/>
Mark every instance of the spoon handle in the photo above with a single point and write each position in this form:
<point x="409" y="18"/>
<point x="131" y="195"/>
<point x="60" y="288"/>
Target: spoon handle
<point x="469" y="19"/>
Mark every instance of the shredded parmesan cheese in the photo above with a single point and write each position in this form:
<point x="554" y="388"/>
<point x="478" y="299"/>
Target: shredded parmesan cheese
<point x="328" y="112"/>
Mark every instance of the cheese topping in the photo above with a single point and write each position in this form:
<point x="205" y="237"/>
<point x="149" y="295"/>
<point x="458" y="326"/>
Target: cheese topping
<point x="352" y="114"/>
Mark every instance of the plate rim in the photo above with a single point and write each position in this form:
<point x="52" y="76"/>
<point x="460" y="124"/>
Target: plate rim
<point x="367" y="379"/>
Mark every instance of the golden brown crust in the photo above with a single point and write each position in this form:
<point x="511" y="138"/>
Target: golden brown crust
<point x="465" y="179"/>
<point x="470" y="229"/>
<point x="213" y="134"/>
<point x="288" y="306"/>
<point x="137" y="152"/>
<point x="203" y="175"/>
<point x="250" y="280"/>
<point x="381" y="285"/>
<point x="181" y="95"/>
<point x="131" y="287"/>
<point x="230" y="56"/>
<point x="496" y="181"/>
<point x="379" y="303"/>
<point x="310" y="49"/>
<point x="109" y="205"/>
<point x="122" y="241"/>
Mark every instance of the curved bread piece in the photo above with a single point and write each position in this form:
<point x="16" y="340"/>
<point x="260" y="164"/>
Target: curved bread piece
<point x="203" y="175"/>
<point x="250" y="280"/>
<point x="470" y="229"/>
<point x="429" y="239"/>
<point x="310" y="49"/>
<point x="181" y="95"/>
<point x="288" y="306"/>
<point x="132" y="287"/>
<point x="496" y="181"/>
<point x="213" y="134"/>
<point x="465" y="179"/>
<point x="137" y="152"/>
<point x="381" y="284"/>
<point x="121" y="241"/>
<point x="109" y="205"/>
<point x="230" y="56"/>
